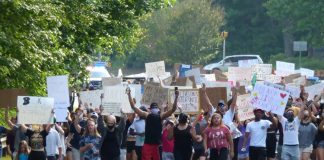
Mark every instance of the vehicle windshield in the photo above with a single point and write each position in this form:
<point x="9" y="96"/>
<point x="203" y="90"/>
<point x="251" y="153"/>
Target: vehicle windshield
<point x="99" y="74"/>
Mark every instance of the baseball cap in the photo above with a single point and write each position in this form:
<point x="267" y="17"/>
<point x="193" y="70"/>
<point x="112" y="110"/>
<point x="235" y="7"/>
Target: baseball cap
<point x="221" y="103"/>
<point x="94" y="114"/>
<point x="258" y="110"/>
<point x="154" y="105"/>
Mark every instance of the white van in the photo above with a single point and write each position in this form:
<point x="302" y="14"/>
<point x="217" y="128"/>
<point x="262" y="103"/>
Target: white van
<point x="231" y="61"/>
<point x="96" y="75"/>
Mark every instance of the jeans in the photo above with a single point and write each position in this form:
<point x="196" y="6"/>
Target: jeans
<point x="290" y="152"/>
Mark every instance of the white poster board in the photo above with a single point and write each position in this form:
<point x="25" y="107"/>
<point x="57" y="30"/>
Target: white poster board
<point x="58" y="88"/>
<point x="244" y="107"/>
<point x="111" y="81"/>
<point x="239" y="74"/>
<point x="194" y="72"/>
<point x="188" y="100"/>
<point x="314" y="90"/>
<point x="269" y="98"/>
<point x="138" y="92"/>
<point x="115" y="99"/>
<point x="35" y="110"/>
<point x="284" y="68"/>
<point x="61" y="115"/>
<point x="91" y="99"/>
<point x="155" y="68"/>
<point x="157" y="94"/>
<point x="293" y="91"/>
<point x="262" y="70"/>
<point x="273" y="78"/>
<point x="307" y="72"/>
<point x="248" y="63"/>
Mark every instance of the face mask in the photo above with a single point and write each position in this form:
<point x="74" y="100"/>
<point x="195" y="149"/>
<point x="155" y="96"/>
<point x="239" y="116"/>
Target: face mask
<point x="306" y="113"/>
<point x="289" y="116"/>
<point x="111" y="127"/>
<point x="155" y="111"/>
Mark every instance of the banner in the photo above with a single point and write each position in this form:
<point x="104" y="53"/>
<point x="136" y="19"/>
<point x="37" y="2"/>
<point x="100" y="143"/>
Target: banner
<point x="35" y="110"/>
<point x="8" y="97"/>
<point x="239" y="74"/>
<point x="284" y="68"/>
<point x="111" y="81"/>
<point x="57" y="88"/>
<point x="195" y="73"/>
<point x="307" y="72"/>
<point x="155" y="68"/>
<point x="269" y="98"/>
<point x="188" y="100"/>
<point x="91" y="99"/>
<point x="154" y="93"/>
<point x="247" y="63"/>
<point x="262" y="70"/>
<point x="115" y="99"/>
<point x="244" y="107"/>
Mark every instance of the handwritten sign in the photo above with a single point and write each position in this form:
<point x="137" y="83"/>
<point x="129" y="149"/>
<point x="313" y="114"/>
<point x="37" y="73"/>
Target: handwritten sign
<point x="188" y="100"/>
<point x="91" y="99"/>
<point x="293" y="91"/>
<point x="314" y="90"/>
<point x="247" y="63"/>
<point x="35" y="110"/>
<point x="115" y="99"/>
<point x="111" y="81"/>
<point x="307" y="72"/>
<point x="155" y="68"/>
<point x="269" y="98"/>
<point x="239" y="74"/>
<point x="284" y="68"/>
<point x="215" y="94"/>
<point x="273" y="78"/>
<point x="244" y="107"/>
<point x="57" y="88"/>
<point x="196" y="73"/>
<point x="154" y="93"/>
<point x="262" y="70"/>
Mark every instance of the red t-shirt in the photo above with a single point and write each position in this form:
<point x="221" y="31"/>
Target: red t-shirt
<point x="167" y="145"/>
<point x="217" y="137"/>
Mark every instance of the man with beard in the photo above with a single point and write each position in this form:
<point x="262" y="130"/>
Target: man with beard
<point x="153" y="127"/>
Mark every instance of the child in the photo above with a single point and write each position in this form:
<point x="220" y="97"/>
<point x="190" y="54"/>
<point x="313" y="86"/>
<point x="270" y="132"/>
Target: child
<point x="23" y="151"/>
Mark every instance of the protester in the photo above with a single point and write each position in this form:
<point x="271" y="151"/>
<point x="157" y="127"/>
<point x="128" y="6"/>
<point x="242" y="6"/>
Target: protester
<point x="167" y="144"/>
<point x="183" y="135"/>
<point x="111" y="133"/>
<point x="306" y="135"/>
<point x="218" y="139"/>
<point x="138" y="129"/>
<point x="128" y="140"/>
<point x="243" y="155"/>
<point x="23" y="151"/>
<point x="90" y="142"/>
<point x="257" y="132"/>
<point x="271" y="140"/>
<point x="199" y="124"/>
<point x="320" y="135"/>
<point x="76" y="133"/>
<point x="153" y="127"/>
<point x="53" y="144"/>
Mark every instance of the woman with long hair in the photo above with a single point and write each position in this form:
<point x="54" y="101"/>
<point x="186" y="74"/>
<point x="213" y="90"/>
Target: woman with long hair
<point x="218" y="139"/>
<point x="23" y="151"/>
<point x="90" y="142"/>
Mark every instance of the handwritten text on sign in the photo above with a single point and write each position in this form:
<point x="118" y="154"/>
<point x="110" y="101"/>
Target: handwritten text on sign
<point x="35" y="110"/>
<point x="239" y="74"/>
<point x="91" y="99"/>
<point x="262" y="70"/>
<point x="155" y="94"/>
<point x="188" y="100"/>
<point x="244" y="107"/>
<point x="115" y="96"/>
<point x="155" y="68"/>
<point x="269" y="98"/>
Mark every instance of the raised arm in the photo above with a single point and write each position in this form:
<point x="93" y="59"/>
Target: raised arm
<point x="174" y="107"/>
<point x="234" y="99"/>
<point x="59" y="129"/>
<point x="206" y="99"/>
<point x="132" y="104"/>
<point x="321" y="126"/>
<point x="76" y="122"/>
<point x="10" y="124"/>
<point x="274" y="121"/>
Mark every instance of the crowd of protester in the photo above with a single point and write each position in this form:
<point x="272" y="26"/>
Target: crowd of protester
<point x="151" y="133"/>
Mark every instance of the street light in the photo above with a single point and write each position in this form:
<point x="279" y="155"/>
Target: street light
<point x="224" y="35"/>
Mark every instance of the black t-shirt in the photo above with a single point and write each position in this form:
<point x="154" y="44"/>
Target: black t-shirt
<point x="153" y="129"/>
<point x="75" y="141"/>
<point x="182" y="139"/>
<point x="124" y="138"/>
<point x="110" y="147"/>
<point x="37" y="140"/>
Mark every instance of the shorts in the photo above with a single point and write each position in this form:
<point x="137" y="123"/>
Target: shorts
<point x="130" y="146"/>
<point x="198" y="153"/>
<point x="271" y="143"/>
<point x="320" y="144"/>
<point x="308" y="149"/>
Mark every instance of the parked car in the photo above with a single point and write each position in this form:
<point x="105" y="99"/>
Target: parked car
<point x="96" y="75"/>
<point x="231" y="61"/>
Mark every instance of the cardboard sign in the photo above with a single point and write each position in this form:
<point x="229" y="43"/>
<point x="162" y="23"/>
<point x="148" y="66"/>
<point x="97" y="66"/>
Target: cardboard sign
<point x="290" y="78"/>
<point x="116" y="100"/>
<point x="244" y="107"/>
<point x="269" y="98"/>
<point x="300" y="81"/>
<point x="215" y="94"/>
<point x="155" y="68"/>
<point x="319" y="73"/>
<point x="314" y="90"/>
<point x="91" y="99"/>
<point x="262" y="70"/>
<point x="220" y="76"/>
<point x="183" y="68"/>
<point x="111" y="81"/>
<point x="57" y="88"/>
<point x="239" y="74"/>
<point x="35" y="110"/>
<point x="307" y="72"/>
<point x="188" y="100"/>
<point x="154" y="93"/>
<point x="284" y="68"/>
<point x="247" y="63"/>
<point x="195" y="73"/>
<point x="8" y="97"/>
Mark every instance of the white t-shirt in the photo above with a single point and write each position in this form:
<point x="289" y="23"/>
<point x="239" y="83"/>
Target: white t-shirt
<point x="290" y="130"/>
<point x="53" y="142"/>
<point x="228" y="117"/>
<point x="139" y="127"/>
<point x="258" y="132"/>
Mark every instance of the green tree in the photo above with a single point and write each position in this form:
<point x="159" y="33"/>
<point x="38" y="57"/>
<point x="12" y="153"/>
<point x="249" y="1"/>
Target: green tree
<point x="187" y="33"/>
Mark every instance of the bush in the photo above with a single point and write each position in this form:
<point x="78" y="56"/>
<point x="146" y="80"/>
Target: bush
<point x="306" y="62"/>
